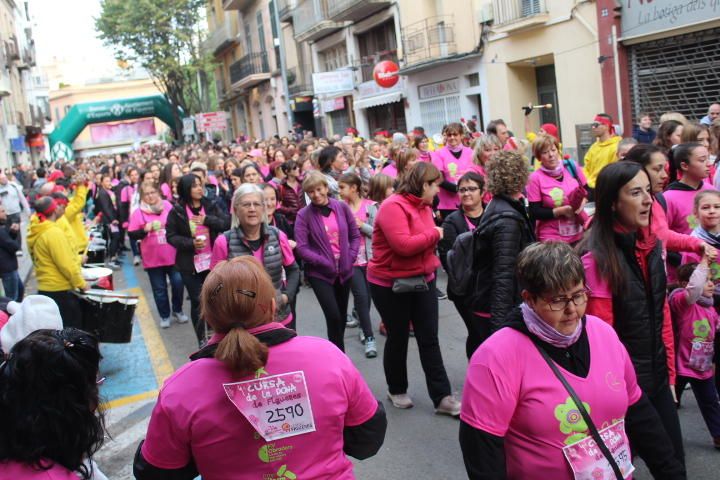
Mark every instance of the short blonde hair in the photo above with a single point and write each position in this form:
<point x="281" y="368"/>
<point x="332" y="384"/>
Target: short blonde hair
<point x="481" y="143"/>
<point x="543" y="142"/>
<point x="507" y="173"/>
<point x="313" y="180"/>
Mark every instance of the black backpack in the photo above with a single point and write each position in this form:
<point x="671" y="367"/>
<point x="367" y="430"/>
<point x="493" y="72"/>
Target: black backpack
<point x="468" y="260"/>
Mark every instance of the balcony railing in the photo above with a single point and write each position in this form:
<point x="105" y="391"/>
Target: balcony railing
<point x="354" y="10"/>
<point x="312" y="21"/>
<point x="250" y="70"/>
<point x="236" y="4"/>
<point x="285" y="10"/>
<point x="507" y="12"/>
<point x="300" y="80"/>
<point x="220" y="38"/>
<point x="429" y="39"/>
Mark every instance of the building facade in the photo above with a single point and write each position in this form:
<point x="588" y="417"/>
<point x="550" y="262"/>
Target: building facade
<point x="241" y="37"/>
<point x="661" y="56"/>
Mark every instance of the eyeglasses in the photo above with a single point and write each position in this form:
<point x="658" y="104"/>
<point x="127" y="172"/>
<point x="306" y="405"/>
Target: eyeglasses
<point x="595" y="124"/>
<point x="558" y="304"/>
<point x="465" y="190"/>
<point x="249" y="205"/>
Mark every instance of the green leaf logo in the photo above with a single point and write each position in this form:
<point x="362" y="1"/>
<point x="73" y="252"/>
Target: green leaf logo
<point x="284" y="473"/>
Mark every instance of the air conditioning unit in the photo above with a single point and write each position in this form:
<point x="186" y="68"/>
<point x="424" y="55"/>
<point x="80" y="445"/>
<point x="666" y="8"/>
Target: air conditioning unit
<point x="485" y="14"/>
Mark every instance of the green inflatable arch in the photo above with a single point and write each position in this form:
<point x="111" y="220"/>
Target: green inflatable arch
<point x="83" y="114"/>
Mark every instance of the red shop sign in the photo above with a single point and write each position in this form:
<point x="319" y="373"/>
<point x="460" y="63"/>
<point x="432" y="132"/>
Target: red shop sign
<point x="386" y="73"/>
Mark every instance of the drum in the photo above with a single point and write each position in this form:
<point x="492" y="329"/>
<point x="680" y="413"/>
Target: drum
<point x="98" y="276"/>
<point x="109" y="315"/>
<point x="96" y="254"/>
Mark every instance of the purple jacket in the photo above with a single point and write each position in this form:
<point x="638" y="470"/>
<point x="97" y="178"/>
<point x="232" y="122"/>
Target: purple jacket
<point x="313" y="245"/>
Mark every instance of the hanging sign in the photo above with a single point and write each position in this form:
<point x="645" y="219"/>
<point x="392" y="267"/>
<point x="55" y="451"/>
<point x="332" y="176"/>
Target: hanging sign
<point x="386" y="73"/>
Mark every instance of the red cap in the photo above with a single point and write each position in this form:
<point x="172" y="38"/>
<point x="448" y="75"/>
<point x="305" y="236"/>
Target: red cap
<point x="550" y="129"/>
<point x="55" y="175"/>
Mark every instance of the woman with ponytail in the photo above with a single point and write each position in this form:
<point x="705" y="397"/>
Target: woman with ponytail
<point x="253" y="376"/>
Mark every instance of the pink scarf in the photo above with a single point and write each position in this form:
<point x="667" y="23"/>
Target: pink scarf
<point x="545" y="332"/>
<point x="554" y="173"/>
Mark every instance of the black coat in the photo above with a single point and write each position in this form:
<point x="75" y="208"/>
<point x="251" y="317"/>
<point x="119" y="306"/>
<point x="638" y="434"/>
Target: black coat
<point x="638" y="314"/>
<point x="9" y="245"/>
<point x="179" y="236"/>
<point x="104" y="205"/>
<point x="504" y="231"/>
<point x="453" y="225"/>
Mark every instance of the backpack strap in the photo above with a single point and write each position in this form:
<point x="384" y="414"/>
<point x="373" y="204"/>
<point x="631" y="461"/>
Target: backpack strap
<point x="570" y="165"/>
<point x="662" y="201"/>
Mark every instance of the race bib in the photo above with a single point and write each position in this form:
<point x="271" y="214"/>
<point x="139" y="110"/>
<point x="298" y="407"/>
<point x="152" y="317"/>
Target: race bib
<point x="569" y="227"/>
<point x="587" y="460"/>
<point x="202" y="261"/>
<point x="277" y="406"/>
<point x="701" y="356"/>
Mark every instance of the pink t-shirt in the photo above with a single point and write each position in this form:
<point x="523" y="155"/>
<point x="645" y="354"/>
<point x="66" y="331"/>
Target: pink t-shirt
<point x="553" y="193"/>
<point x="594" y="280"/>
<point x="200" y="230"/>
<point x="156" y="251"/>
<point x="680" y="203"/>
<point x="220" y="250"/>
<point x="695" y="332"/>
<point x="361" y="215"/>
<point x="127" y="193"/>
<point x="194" y="419"/>
<point x="390" y="171"/>
<point x="21" y="471"/>
<point x="333" y="232"/>
<point x="166" y="191"/>
<point x="511" y="392"/>
<point x="452" y="169"/>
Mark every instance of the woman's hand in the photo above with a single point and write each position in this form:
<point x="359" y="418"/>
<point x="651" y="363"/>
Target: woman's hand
<point x="292" y="244"/>
<point x="198" y="219"/>
<point x="284" y="299"/>
<point x="440" y="231"/>
<point x="148" y="227"/>
<point x="564" y="211"/>
<point x="710" y="252"/>
<point x="359" y="222"/>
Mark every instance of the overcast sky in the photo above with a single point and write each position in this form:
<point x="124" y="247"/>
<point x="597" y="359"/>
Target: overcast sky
<point x="66" y="29"/>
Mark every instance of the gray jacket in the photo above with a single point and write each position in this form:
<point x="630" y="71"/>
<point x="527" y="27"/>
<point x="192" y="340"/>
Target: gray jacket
<point x="367" y="230"/>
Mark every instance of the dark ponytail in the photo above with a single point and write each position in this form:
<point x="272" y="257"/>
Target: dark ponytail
<point x="678" y="155"/>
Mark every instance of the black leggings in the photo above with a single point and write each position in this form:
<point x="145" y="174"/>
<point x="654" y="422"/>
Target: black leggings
<point x="397" y="310"/>
<point x="193" y="283"/>
<point x="333" y="299"/>
<point x="361" y="298"/>
<point x="478" y="328"/>
<point x="666" y="409"/>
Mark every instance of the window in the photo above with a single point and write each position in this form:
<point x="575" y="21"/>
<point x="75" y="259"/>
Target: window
<point x="333" y="58"/>
<point x="261" y="31"/>
<point x="248" y="38"/>
<point x="438" y="112"/>
<point x="474" y="79"/>
<point x="530" y="7"/>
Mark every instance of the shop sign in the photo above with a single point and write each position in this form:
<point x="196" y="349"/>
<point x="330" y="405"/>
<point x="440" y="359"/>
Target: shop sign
<point x="386" y="73"/>
<point x="337" y="81"/>
<point x="211" y="121"/>
<point x="438" y="89"/>
<point x="643" y="17"/>
<point x="371" y="89"/>
<point x="333" y="104"/>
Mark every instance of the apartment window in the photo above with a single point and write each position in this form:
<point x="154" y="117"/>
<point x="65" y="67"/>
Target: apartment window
<point x="530" y="7"/>
<point x="333" y="58"/>
<point x="474" y="79"/>
<point x="248" y="38"/>
<point x="376" y="45"/>
<point x="261" y="30"/>
<point x="438" y="112"/>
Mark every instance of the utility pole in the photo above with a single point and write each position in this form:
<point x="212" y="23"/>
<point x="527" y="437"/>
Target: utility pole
<point x="278" y="40"/>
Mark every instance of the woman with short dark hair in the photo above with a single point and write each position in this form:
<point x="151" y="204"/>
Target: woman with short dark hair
<point x="51" y="424"/>
<point x="518" y="419"/>
<point x="401" y="273"/>
<point x="332" y="163"/>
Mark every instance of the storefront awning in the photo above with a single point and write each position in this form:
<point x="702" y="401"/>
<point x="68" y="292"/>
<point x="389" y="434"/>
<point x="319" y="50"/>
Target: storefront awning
<point x="378" y="100"/>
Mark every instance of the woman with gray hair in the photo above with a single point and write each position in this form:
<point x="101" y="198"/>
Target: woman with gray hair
<point x="250" y="234"/>
<point x="554" y="386"/>
<point x="505" y="229"/>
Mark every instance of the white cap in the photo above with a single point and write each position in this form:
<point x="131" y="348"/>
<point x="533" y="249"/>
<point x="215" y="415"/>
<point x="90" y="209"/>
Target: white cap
<point x="36" y="312"/>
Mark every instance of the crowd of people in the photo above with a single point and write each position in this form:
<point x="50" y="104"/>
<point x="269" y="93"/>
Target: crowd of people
<point x="590" y="292"/>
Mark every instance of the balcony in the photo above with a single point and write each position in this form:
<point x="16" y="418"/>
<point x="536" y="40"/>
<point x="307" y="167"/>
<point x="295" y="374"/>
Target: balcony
<point x="27" y="59"/>
<point x="312" y="21"/>
<point x="367" y="63"/>
<point x="236" y="4"/>
<point x="220" y="39"/>
<point x="285" y="10"/>
<point x="249" y="71"/>
<point x="514" y="15"/>
<point x="428" y="40"/>
<point x="354" y="10"/>
<point x="300" y="81"/>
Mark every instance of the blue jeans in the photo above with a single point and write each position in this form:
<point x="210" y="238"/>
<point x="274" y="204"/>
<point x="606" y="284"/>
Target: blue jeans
<point x="159" y="288"/>
<point x="12" y="285"/>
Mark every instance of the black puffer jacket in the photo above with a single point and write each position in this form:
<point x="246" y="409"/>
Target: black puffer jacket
<point x="504" y="231"/>
<point x="453" y="225"/>
<point x="638" y="314"/>
<point x="179" y="236"/>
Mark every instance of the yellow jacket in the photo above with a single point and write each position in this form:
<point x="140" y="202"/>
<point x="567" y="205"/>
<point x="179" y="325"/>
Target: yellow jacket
<point x="56" y="265"/>
<point x="76" y="219"/>
<point x="63" y="224"/>
<point x="599" y="156"/>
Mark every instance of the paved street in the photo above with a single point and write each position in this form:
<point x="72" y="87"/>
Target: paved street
<point x="419" y="444"/>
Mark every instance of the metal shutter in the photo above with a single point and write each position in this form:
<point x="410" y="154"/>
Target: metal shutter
<point x="680" y="74"/>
